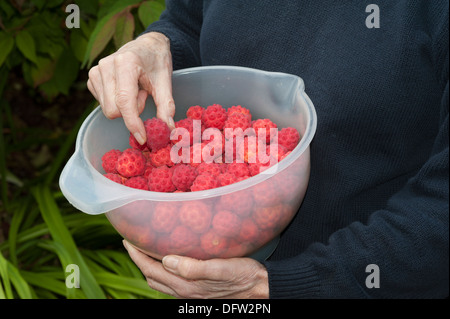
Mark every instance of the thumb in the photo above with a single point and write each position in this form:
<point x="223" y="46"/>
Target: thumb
<point x="186" y="267"/>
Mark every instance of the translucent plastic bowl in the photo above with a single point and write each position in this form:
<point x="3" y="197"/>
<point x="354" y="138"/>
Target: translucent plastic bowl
<point x="265" y="203"/>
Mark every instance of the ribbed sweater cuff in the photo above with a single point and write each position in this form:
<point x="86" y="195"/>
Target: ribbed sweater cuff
<point x="289" y="279"/>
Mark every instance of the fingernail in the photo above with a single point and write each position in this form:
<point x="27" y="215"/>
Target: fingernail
<point x="170" y="262"/>
<point x="139" y="138"/>
<point x="171" y="123"/>
<point x="125" y="244"/>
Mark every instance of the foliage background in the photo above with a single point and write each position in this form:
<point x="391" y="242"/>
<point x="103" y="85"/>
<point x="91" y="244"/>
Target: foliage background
<point x="44" y="100"/>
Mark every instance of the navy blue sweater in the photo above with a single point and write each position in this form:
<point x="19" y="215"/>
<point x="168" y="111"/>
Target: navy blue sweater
<point x="379" y="186"/>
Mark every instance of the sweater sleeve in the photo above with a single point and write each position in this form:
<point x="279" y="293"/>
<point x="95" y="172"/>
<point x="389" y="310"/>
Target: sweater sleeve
<point x="181" y="22"/>
<point x="408" y="241"/>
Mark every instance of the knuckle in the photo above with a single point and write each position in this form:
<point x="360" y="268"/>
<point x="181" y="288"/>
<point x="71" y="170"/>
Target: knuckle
<point x="122" y="98"/>
<point x="93" y="73"/>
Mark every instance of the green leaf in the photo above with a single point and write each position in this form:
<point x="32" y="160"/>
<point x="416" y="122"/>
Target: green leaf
<point x="149" y="12"/>
<point x="78" y="44"/>
<point x="65" y="246"/>
<point x="7" y="44"/>
<point x="66" y="71"/>
<point x="26" y="45"/>
<point x="42" y="71"/>
<point x="124" y="29"/>
<point x="105" y="28"/>
<point x="100" y="37"/>
<point x="113" y="6"/>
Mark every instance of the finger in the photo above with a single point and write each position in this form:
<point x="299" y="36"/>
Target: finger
<point x="152" y="270"/>
<point x="107" y="75"/>
<point x="96" y="84"/>
<point x="162" y="95"/>
<point x="126" y="97"/>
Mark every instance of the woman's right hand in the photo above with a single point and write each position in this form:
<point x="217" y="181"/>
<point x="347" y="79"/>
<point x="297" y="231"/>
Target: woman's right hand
<point x="122" y="81"/>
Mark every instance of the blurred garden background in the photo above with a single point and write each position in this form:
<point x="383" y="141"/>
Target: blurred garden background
<point x="43" y="101"/>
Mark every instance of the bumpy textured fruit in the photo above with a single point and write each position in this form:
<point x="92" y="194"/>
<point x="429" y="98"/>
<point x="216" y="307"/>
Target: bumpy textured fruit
<point x="183" y="176"/>
<point x="203" y="182"/>
<point x="161" y="157"/>
<point x="210" y="168"/>
<point x="288" y="137"/>
<point x="131" y="163"/>
<point x="182" y="239"/>
<point x="109" y="160"/>
<point x="196" y="215"/>
<point x="239" y="109"/>
<point x="214" y="116"/>
<point x="239" y="203"/>
<point x="160" y="180"/>
<point x="115" y="177"/>
<point x="238" y="169"/>
<point x="263" y="128"/>
<point x="195" y="112"/>
<point x="248" y="231"/>
<point x="135" y="144"/>
<point x="164" y="217"/>
<point x="213" y="243"/>
<point x="158" y="133"/>
<point x="267" y="217"/>
<point x="138" y="182"/>
<point x="237" y="121"/>
<point x="226" y="224"/>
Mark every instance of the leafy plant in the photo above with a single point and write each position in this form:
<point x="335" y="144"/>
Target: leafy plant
<point x="34" y="37"/>
<point x="40" y="232"/>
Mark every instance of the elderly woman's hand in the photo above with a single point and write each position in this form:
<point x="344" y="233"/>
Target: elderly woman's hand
<point x="122" y="81"/>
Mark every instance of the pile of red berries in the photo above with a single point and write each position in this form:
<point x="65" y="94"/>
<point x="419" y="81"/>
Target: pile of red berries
<point x="211" y="147"/>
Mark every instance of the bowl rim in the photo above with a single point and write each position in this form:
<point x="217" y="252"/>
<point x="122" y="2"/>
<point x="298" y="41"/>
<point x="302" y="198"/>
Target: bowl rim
<point x="137" y="194"/>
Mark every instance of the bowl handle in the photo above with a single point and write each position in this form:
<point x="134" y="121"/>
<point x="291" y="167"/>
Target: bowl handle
<point x="87" y="190"/>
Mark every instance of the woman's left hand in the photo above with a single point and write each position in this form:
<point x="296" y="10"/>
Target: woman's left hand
<point x="184" y="277"/>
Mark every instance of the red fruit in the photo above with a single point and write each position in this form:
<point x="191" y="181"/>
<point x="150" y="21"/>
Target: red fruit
<point x="109" y="161"/>
<point x="248" y="148"/>
<point x="184" y="131"/>
<point x="266" y="193"/>
<point x="278" y="150"/>
<point x="196" y="215"/>
<point x="115" y="177"/>
<point x="249" y="231"/>
<point x="226" y="179"/>
<point x="135" y="144"/>
<point x="195" y="112"/>
<point x="158" y="133"/>
<point x="263" y="128"/>
<point x="288" y="137"/>
<point x="138" y="182"/>
<point x="148" y="169"/>
<point x="164" y="217"/>
<point x="182" y="240"/>
<point x="258" y="167"/>
<point x="210" y="168"/>
<point x="203" y="182"/>
<point x="238" y="169"/>
<point x="131" y="163"/>
<point x="267" y="217"/>
<point x="214" y="116"/>
<point x="160" y="180"/>
<point x="237" y="121"/>
<point x="183" y="177"/>
<point x="140" y="235"/>
<point x="240" y="203"/>
<point x="161" y="157"/>
<point x="239" y="109"/>
<point x="226" y="224"/>
<point x="213" y="244"/>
